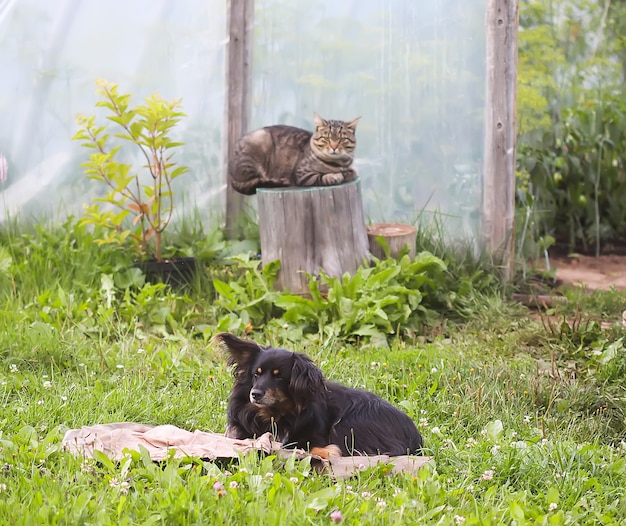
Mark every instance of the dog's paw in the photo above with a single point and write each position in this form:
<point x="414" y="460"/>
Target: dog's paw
<point x="329" y="179"/>
<point x="327" y="452"/>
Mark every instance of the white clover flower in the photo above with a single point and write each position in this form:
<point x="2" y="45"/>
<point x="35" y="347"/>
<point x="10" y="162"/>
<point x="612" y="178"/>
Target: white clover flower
<point x="495" y="449"/>
<point x="13" y="368"/>
<point x="336" y="516"/>
<point x="436" y="430"/>
<point x="233" y="484"/>
<point x="218" y="486"/>
<point x="459" y="519"/>
<point x="553" y="506"/>
<point x="487" y="474"/>
<point x="47" y="384"/>
<point x="527" y="419"/>
<point x="293" y="479"/>
<point x="471" y="442"/>
<point x="423" y="422"/>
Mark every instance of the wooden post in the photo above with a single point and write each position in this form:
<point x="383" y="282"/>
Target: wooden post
<point x="501" y="22"/>
<point x="238" y="86"/>
<point x="397" y="236"/>
<point x="312" y="228"/>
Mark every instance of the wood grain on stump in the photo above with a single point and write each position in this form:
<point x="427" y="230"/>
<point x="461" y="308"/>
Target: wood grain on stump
<point x="397" y="236"/>
<point x="312" y="228"/>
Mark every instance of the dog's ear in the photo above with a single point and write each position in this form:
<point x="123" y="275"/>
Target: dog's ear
<point x="240" y="352"/>
<point x="307" y="381"/>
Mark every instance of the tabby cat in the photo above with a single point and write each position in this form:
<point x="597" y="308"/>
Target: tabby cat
<point x="282" y="155"/>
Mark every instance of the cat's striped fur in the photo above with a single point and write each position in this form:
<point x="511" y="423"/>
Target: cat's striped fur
<point x="281" y="155"/>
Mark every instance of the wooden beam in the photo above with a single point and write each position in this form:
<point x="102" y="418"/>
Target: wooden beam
<point x="240" y="16"/>
<point x="501" y="24"/>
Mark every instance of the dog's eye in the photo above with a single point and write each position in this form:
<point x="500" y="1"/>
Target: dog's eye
<point x="275" y="372"/>
<point x="258" y="372"/>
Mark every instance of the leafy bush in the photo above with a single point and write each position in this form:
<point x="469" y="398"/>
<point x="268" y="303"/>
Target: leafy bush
<point x="389" y="297"/>
<point x="578" y="177"/>
<point x="248" y="299"/>
<point x="571" y="125"/>
<point x="148" y="198"/>
<point x="386" y="298"/>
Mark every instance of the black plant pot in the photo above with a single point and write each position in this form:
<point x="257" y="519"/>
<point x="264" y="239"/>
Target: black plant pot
<point x="176" y="272"/>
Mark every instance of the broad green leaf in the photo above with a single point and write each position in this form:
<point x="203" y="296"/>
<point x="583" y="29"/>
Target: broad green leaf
<point x="494" y="430"/>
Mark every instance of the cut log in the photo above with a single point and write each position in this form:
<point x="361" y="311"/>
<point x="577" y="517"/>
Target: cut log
<point x="312" y="228"/>
<point x="540" y="301"/>
<point x="397" y="236"/>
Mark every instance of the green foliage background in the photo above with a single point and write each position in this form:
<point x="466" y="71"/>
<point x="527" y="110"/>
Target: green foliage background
<point x="571" y="125"/>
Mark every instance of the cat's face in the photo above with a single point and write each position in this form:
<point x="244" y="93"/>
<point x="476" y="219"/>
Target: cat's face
<point x="332" y="140"/>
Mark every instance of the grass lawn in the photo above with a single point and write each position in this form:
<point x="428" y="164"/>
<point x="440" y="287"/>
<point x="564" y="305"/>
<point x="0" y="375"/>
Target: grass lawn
<point x="526" y="421"/>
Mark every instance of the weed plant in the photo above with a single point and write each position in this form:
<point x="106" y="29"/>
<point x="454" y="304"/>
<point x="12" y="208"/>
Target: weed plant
<point x="524" y="420"/>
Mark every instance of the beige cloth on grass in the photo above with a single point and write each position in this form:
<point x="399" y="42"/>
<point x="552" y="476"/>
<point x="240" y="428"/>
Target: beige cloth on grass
<point x="114" y="439"/>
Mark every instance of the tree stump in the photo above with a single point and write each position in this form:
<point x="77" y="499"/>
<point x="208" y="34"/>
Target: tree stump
<point x="397" y="236"/>
<point x="312" y="228"/>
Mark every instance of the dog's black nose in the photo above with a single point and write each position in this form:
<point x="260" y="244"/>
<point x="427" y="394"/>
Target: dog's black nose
<point x="256" y="395"/>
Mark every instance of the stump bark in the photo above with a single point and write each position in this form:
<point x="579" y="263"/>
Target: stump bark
<point x="397" y="236"/>
<point x="312" y="228"/>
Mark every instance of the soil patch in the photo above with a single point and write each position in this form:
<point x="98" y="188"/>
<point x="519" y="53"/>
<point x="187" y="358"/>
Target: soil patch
<point x="596" y="273"/>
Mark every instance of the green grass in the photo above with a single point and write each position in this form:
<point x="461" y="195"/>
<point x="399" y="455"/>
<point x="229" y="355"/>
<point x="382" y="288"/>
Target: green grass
<point x="526" y="424"/>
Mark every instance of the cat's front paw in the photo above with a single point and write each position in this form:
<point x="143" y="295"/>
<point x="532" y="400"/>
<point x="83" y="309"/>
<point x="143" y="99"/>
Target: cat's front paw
<point x="335" y="178"/>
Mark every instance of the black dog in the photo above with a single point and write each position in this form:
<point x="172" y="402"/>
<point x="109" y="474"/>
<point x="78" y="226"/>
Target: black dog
<point x="284" y="393"/>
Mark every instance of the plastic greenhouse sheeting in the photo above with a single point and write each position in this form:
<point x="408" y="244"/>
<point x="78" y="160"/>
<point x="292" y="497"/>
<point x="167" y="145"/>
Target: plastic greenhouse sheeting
<point x="52" y="54"/>
<point x="414" y="70"/>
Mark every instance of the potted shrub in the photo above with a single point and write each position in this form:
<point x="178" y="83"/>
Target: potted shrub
<point x="139" y="202"/>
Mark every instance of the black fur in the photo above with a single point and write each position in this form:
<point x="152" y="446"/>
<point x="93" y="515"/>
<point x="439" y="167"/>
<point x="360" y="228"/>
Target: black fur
<point x="294" y="402"/>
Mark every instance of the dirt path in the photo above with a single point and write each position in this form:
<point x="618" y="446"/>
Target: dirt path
<point x="602" y="273"/>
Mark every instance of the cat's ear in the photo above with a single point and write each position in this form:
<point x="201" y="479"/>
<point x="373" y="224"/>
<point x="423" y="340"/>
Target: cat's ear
<point x="319" y="122"/>
<point x="352" y="124"/>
